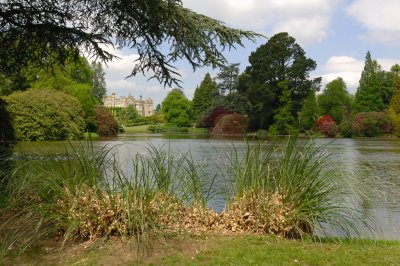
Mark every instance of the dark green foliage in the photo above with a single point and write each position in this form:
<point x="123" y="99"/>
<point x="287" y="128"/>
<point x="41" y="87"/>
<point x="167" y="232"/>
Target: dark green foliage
<point x="106" y="123"/>
<point x="309" y="112"/>
<point x="375" y="89"/>
<point x="280" y="59"/>
<point x="43" y="32"/>
<point x="6" y="141"/>
<point x="203" y="97"/>
<point x="284" y="122"/>
<point x="99" y="82"/>
<point x="157" y="111"/>
<point x="228" y="79"/>
<point x="177" y="109"/>
<point x="45" y="115"/>
<point x="371" y="124"/>
<point x="334" y="100"/>
<point x="345" y="128"/>
<point x="230" y="124"/>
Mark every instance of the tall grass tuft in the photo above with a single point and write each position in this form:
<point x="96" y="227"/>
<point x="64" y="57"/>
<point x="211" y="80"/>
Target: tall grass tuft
<point x="293" y="190"/>
<point x="84" y="194"/>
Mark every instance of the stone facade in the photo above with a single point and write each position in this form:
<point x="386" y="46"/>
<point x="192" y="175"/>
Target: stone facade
<point x="144" y="107"/>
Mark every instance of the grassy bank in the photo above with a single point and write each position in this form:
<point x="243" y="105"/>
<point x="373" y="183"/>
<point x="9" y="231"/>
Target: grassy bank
<point x="216" y="250"/>
<point x="290" y="190"/>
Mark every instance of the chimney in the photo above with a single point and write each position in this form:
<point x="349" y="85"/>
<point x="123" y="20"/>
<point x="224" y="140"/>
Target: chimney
<point x="141" y="97"/>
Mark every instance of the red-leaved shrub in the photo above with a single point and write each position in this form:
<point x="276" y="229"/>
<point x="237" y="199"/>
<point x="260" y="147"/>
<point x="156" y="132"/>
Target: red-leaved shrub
<point x="211" y="118"/>
<point x="106" y="123"/>
<point x="327" y="126"/>
<point x="230" y="124"/>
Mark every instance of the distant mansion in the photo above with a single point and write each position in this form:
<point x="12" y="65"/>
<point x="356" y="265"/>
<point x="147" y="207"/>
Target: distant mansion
<point x="144" y="107"/>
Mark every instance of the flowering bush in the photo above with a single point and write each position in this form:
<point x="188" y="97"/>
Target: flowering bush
<point x="370" y="124"/>
<point x="230" y="124"/>
<point x="327" y="126"/>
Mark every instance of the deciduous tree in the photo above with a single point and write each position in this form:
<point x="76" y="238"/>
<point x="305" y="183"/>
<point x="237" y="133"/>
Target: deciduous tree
<point x="280" y="59"/>
<point x="177" y="109"/>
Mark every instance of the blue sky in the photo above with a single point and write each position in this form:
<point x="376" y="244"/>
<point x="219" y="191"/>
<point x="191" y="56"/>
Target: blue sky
<point x="335" y="33"/>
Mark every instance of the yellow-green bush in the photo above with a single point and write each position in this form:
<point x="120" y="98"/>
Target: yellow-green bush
<point x="394" y="113"/>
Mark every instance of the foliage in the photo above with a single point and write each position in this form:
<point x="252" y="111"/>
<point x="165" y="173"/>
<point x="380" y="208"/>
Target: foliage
<point x="157" y="111"/>
<point x="6" y="141"/>
<point x="228" y="79"/>
<point x="230" y="124"/>
<point x="370" y="124"/>
<point x="327" y="126"/>
<point x="210" y="119"/>
<point x="394" y="112"/>
<point x="156" y="118"/>
<point x="74" y="78"/>
<point x="345" y="128"/>
<point x="156" y="129"/>
<point x="45" y="115"/>
<point x="280" y="59"/>
<point x="309" y="112"/>
<point x="284" y="123"/>
<point x="203" y="96"/>
<point x="177" y="109"/>
<point x="106" y="123"/>
<point x="98" y="82"/>
<point x="129" y="116"/>
<point x="375" y="89"/>
<point x="43" y="32"/>
<point x="334" y="100"/>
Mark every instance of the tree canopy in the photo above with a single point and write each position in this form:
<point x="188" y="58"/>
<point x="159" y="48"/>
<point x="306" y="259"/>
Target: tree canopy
<point x="42" y="32"/>
<point x="334" y="100"/>
<point x="280" y="59"/>
<point x="177" y="109"/>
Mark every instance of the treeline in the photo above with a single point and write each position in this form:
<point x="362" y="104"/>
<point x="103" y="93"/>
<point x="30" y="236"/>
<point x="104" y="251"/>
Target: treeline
<point x="276" y="93"/>
<point x="59" y="102"/>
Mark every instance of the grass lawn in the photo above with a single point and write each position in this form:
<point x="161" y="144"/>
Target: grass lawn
<point x="137" y="129"/>
<point x="217" y="250"/>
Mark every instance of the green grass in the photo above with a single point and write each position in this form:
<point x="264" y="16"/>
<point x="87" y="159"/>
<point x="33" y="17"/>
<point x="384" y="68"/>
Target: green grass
<point x="269" y="251"/>
<point x="217" y="250"/>
<point x="137" y="129"/>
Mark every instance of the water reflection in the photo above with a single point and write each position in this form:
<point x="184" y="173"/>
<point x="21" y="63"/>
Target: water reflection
<point x="367" y="159"/>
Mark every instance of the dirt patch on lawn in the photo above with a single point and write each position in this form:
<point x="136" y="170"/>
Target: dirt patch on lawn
<point x="114" y="251"/>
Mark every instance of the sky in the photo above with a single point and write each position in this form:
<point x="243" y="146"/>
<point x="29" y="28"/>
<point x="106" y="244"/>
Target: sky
<point x="335" y="33"/>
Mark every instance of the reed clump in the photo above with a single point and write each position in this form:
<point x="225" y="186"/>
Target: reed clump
<point x="291" y="190"/>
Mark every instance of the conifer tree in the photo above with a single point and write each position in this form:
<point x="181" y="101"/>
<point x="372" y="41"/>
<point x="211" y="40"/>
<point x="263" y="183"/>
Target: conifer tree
<point x="204" y="96"/>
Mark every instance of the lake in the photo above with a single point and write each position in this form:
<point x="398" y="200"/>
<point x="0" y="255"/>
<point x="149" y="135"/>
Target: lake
<point x="366" y="158"/>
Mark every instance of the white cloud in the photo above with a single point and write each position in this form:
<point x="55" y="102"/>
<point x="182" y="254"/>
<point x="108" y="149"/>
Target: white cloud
<point x="349" y="68"/>
<point x="308" y="21"/>
<point x="379" y="18"/>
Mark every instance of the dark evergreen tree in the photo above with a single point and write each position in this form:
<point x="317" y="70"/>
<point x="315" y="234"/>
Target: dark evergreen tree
<point x="284" y="122"/>
<point x="375" y="89"/>
<point x="228" y="79"/>
<point x="204" y="96"/>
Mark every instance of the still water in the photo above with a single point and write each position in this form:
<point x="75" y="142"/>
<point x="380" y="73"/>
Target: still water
<point x="366" y="158"/>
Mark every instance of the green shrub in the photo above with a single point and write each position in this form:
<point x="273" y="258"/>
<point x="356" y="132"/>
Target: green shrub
<point x="156" y="118"/>
<point x="156" y="129"/>
<point x="394" y="112"/>
<point x="107" y="125"/>
<point x="45" y="115"/>
<point x="345" y="128"/>
<point x="370" y="124"/>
